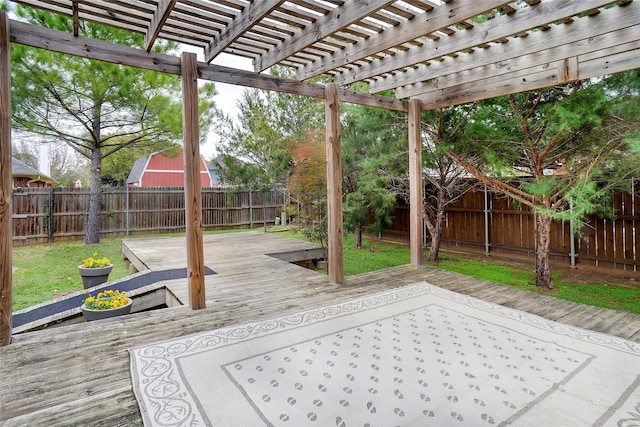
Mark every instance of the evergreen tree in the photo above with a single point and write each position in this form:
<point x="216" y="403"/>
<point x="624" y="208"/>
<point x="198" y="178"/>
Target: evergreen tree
<point x="445" y="181"/>
<point x="374" y="159"/>
<point x="96" y="108"/>
<point x="556" y="151"/>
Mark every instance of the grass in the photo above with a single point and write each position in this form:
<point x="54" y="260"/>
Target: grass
<point x="486" y="271"/>
<point x="374" y="255"/>
<point x="377" y="255"/>
<point x="599" y="294"/>
<point x="50" y="271"/>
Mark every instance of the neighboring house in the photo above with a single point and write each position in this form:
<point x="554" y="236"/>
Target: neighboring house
<point x="214" y="166"/>
<point x="217" y="165"/>
<point x="164" y="169"/>
<point x="27" y="176"/>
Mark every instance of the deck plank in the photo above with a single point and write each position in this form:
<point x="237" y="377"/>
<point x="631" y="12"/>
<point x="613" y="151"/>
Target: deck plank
<point x="79" y="374"/>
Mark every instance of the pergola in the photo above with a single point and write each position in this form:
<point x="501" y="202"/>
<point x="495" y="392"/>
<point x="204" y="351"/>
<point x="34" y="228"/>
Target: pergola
<point x="432" y="53"/>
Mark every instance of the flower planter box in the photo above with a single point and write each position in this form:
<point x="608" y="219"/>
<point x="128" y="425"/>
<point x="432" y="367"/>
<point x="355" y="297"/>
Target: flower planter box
<point x="94" y="276"/>
<point x="91" y="315"/>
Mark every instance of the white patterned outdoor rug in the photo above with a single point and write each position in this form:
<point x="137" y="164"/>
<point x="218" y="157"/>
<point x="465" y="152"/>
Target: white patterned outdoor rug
<point x="414" y="356"/>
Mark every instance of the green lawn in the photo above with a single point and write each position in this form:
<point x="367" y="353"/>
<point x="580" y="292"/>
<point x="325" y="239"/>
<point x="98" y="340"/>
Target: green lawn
<point x="607" y="294"/>
<point x="376" y="255"/>
<point x="49" y="271"/>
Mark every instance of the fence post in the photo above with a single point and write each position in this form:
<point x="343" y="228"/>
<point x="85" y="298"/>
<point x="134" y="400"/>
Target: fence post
<point x="572" y="255"/>
<point x="126" y="214"/>
<point x="264" y="209"/>
<point x="50" y="208"/>
<point x="633" y="224"/>
<point x="250" y="209"/>
<point x="487" y="244"/>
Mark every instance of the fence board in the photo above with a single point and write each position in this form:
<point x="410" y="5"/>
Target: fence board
<point x="601" y="242"/>
<point x="612" y="243"/>
<point x="134" y="210"/>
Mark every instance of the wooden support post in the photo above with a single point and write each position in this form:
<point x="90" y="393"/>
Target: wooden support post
<point x="5" y="182"/>
<point x="415" y="183"/>
<point x="334" y="184"/>
<point x="192" y="185"/>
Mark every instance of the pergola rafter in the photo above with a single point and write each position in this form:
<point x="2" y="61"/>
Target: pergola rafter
<point x="160" y="16"/>
<point x="422" y="25"/>
<point x="334" y="21"/>
<point x="254" y="12"/>
<point x="497" y="30"/>
<point x="398" y="44"/>
<point x="539" y="48"/>
<point x="432" y="53"/>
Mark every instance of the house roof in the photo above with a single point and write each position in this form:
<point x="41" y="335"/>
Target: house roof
<point x="21" y="169"/>
<point x="213" y="167"/>
<point x="135" y="175"/>
<point x="442" y="52"/>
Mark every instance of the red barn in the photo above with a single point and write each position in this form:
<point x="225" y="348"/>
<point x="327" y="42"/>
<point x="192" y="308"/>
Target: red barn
<point x="164" y="169"/>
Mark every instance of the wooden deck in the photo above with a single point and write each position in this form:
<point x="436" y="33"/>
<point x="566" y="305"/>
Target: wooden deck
<point x="79" y="374"/>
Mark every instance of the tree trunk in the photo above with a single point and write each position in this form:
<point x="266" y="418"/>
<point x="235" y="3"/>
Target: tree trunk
<point x="93" y="221"/>
<point x="358" y="236"/>
<point x="543" y="270"/>
<point x="435" y="227"/>
<point x="434" y="249"/>
<point x="435" y="230"/>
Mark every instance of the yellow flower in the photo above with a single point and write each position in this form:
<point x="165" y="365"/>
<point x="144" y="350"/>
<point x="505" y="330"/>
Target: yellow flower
<point x="106" y="299"/>
<point x="95" y="262"/>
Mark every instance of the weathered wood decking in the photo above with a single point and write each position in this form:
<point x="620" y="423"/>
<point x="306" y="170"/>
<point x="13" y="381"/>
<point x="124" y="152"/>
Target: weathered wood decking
<point x="79" y="374"/>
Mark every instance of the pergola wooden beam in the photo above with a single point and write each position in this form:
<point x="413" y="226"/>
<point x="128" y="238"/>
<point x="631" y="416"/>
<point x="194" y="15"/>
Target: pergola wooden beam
<point x="252" y="14"/>
<point x="415" y="183"/>
<point x="500" y="27"/>
<point x="583" y="67"/>
<point x="583" y="36"/>
<point x="440" y="17"/>
<point x="389" y="45"/>
<point x="160" y="16"/>
<point x="58" y="41"/>
<point x="192" y="192"/>
<point x="6" y="182"/>
<point x="610" y="60"/>
<point x="327" y="25"/>
<point x="334" y="185"/>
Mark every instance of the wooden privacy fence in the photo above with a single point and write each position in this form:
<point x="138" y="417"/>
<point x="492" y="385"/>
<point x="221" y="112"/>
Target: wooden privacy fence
<point x="43" y="215"/>
<point x="497" y="225"/>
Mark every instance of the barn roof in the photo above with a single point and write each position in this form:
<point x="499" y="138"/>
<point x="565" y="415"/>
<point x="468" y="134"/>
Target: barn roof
<point x="135" y="175"/>
<point x="140" y="165"/>
<point x="442" y="52"/>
